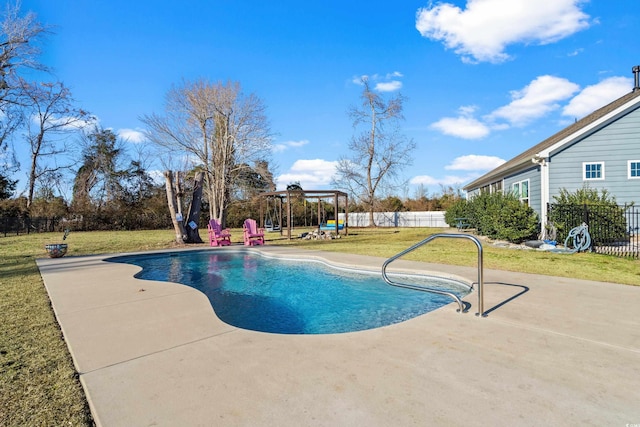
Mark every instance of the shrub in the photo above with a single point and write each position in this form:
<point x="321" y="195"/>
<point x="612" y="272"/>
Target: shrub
<point x="459" y="209"/>
<point x="496" y="215"/>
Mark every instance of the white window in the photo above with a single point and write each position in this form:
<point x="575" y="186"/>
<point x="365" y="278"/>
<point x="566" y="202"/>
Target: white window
<point x="592" y="171"/>
<point x="521" y="190"/>
<point x="634" y="169"/>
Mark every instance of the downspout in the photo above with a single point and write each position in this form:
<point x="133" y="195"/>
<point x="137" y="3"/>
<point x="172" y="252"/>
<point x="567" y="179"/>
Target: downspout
<point x="544" y="189"/>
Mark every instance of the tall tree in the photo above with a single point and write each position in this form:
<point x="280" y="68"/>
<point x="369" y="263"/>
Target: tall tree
<point x="19" y="39"/>
<point x="219" y="126"/>
<point x="378" y="149"/>
<point x="251" y="180"/>
<point x="97" y="179"/>
<point x="50" y="118"/>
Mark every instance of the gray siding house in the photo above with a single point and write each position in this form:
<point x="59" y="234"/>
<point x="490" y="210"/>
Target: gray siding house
<point x="602" y="150"/>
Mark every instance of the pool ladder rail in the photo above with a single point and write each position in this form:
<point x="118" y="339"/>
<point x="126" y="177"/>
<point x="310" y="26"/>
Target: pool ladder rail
<point x="461" y="309"/>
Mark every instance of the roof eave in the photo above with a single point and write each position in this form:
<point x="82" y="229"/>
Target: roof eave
<point x="522" y="161"/>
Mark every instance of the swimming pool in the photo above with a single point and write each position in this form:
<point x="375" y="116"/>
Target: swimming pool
<point x="252" y="291"/>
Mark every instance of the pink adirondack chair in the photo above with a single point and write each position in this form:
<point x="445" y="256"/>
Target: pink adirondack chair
<point x="218" y="236"/>
<point x="252" y="234"/>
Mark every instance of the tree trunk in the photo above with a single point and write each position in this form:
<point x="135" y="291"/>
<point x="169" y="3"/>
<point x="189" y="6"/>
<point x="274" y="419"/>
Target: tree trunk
<point x="193" y="235"/>
<point x="178" y="226"/>
<point x="372" y="223"/>
<point x="32" y="180"/>
<point x="35" y="151"/>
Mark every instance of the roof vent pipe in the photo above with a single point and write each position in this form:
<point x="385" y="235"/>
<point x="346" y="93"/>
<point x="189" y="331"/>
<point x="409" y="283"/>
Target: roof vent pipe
<point x="636" y="75"/>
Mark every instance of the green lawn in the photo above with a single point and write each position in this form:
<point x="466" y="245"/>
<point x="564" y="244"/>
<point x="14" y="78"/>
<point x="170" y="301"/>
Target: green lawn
<point x="38" y="383"/>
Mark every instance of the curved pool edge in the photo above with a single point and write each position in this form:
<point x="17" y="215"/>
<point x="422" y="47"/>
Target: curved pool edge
<point x="361" y="262"/>
<point x="411" y="271"/>
<point x="465" y="275"/>
<point x="109" y="317"/>
<point x="369" y="263"/>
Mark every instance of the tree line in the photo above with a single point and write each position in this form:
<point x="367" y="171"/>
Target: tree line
<point x="212" y="139"/>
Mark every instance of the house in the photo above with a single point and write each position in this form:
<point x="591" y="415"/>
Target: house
<point x="601" y="150"/>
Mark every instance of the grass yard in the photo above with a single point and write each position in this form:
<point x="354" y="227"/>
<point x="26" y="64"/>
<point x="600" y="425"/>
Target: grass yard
<point x="38" y="382"/>
<point x="388" y="242"/>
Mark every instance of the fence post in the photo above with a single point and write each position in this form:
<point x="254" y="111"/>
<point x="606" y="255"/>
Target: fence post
<point x="585" y="214"/>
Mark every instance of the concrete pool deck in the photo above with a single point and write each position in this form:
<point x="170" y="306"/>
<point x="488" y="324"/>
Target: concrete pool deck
<point x="552" y="351"/>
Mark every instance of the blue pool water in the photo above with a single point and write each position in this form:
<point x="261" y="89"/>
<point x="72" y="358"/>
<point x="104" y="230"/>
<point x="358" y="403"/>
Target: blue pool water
<point x="266" y="294"/>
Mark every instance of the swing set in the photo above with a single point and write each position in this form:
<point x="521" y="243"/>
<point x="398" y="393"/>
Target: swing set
<point x="272" y="221"/>
<point x="278" y="215"/>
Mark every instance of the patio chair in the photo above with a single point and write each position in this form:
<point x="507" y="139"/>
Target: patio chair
<point x="218" y="236"/>
<point x="252" y="234"/>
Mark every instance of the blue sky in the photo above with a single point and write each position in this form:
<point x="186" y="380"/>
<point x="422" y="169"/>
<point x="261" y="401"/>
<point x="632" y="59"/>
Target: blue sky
<point x="484" y="79"/>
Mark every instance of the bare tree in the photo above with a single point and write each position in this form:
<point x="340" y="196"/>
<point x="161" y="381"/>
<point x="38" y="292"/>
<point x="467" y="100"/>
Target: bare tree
<point x="378" y="152"/>
<point x="219" y="127"/>
<point x="19" y="38"/>
<point x="50" y="118"/>
<point x="174" y="206"/>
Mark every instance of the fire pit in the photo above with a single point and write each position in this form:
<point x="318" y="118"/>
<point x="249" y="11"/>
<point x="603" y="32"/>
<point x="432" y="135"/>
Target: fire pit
<point x="56" y="250"/>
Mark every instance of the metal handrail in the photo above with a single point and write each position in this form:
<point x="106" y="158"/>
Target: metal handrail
<point x="436" y="291"/>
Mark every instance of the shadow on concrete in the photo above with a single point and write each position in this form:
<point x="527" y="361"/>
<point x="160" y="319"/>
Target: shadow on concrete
<point x="524" y="290"/>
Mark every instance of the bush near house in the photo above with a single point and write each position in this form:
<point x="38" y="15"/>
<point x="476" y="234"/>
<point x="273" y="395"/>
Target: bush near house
<point x="496" y="215"/>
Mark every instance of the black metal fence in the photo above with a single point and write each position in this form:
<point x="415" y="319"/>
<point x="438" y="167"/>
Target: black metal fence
<point x="25" y="225"/>
<point x="614" y="230"/>
<point x="18" y="225"/>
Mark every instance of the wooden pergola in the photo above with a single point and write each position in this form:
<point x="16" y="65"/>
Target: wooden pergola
<point x="285" y="197"/>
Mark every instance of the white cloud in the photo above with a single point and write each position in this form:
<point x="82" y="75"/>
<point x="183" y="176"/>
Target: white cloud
<point x="283" y="146"/>
<point x="536" y="100"/>
<point x="389" y="86"/>
<point x="296" y="144"/>
<point x="464" y="126"/>
<point x="312" y="174"/>
<point x="540" y="97"/>
<point x="387" y="83"/>
<point x="135" y="136"/>
<point x="446" y="181"/>
<point x="483" y="30"/>
<point x="595" y="96"/>
<point x="424" y="180"/>
<point x="68" y="123"/>
<point x="474" y="162"/>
